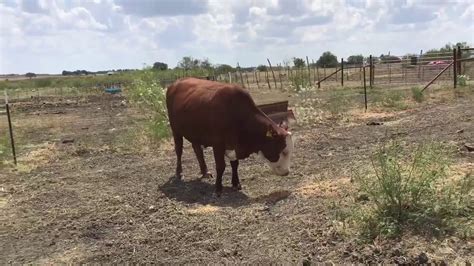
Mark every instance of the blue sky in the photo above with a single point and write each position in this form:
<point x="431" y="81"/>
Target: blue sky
<point x="51" y="36"/>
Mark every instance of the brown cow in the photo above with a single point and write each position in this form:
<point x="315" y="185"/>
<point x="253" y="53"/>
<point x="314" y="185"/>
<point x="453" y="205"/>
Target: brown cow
<point x="224" y="116"/>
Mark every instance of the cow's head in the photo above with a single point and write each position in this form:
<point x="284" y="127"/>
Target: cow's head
<point x="277" y="148"/>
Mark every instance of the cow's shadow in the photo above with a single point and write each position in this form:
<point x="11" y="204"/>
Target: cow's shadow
<point x="202" y="192"/>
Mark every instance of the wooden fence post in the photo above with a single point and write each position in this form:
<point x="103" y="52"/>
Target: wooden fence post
<point x="317" y="73"/>
<point x="268" y="80"/>
<point x="247" y="78"/>
<point x="256" y="78"/>
<point x="309" y="71"/>
<point x="279" y="76"/>
<point x="273" y="73"/>
<point x="342" y="72"/>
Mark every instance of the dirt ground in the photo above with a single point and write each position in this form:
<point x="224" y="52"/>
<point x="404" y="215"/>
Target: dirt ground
<point x="86" y="191"/>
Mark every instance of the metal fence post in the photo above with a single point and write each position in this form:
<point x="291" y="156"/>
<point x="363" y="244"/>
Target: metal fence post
<point x="342" y="72"/>
<point x="365" y="90"/>
<point x="370" y="71"/>
<point x="459" y="57"/>
<point x="454" y="68"/>
<point x="12" y="140"/>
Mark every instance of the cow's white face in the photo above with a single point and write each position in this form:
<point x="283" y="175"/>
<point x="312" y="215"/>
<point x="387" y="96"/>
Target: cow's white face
<point x="282" y="165"/>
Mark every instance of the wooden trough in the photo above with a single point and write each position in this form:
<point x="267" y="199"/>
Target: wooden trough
<point x="278" y="112"/>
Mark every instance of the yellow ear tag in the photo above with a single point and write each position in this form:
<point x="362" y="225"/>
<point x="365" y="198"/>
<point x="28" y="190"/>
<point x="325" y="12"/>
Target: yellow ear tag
<point x="269" y="134"/>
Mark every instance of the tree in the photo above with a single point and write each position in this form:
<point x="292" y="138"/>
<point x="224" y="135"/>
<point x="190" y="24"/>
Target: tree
<point x="298" y="62"/>
<point x="188" y="63"/>
<point x="205" y="64"/>
<point x="223" y="69"/>
<point x="446" y="49"/>
<point x="355" y="59"/>
<point x="262" y="68"/>
<point x="30" y="75"/>
<point x="160" y="66"/>
<point x="327" y="59"/>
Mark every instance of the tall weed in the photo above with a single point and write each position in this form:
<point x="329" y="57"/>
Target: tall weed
<point x="147" y="93"/>
<point x="411" y="190"/>
<point x="417" y="94"/>
<point x="299" y="80"/>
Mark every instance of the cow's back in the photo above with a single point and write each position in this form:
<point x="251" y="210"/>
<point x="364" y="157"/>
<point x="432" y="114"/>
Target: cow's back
<point x="204" y="112"/>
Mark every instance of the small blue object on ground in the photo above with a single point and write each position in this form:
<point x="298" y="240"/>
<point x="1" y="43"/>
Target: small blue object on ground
<point x="113" y="90"/>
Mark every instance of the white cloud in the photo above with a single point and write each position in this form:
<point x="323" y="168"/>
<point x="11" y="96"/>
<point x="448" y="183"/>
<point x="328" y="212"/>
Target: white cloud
<point x="49" y="36"/>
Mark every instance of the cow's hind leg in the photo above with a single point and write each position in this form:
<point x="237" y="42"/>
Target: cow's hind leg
<point x="235" y="175"/>
<point x="178" y="148"/>
<point x="202" y="163"/>
<point x="219" y="153"/>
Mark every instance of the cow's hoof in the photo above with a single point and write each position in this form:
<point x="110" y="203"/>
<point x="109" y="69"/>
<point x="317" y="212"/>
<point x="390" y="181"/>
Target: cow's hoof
<point x="237" y="187"/>
<point x="207" y="175"/>
<point x="218" y="193"/>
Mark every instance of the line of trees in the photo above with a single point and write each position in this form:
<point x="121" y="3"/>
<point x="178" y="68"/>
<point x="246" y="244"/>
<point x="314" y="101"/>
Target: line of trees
<point x="326" y="60"/>
<point x="85" y="72"/>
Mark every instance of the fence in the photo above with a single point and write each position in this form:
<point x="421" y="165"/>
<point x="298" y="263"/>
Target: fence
<point x="388" y="70"/>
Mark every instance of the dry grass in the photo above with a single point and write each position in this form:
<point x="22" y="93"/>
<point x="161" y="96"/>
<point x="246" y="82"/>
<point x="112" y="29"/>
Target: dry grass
<point x="329" y="189"/>
<point x="39" y="156"/>
<point x="203" y="210"/>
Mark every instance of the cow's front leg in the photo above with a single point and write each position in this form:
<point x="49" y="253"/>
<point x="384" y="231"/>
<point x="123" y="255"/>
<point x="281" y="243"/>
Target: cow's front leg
<point x="235" y="175"/>
<point x="219" y="153"/>
<point x="202" y="163"/>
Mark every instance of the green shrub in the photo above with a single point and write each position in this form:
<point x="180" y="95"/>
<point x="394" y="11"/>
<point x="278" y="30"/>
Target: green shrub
<point x="388" y="98"/>
<point x="4" y="147"/>
<point x="412" y="190"/>
<point x="337" y="103"/>
<point x="462" y="80"/>
<point x="44" y="82"/>
<point x="417" y="94"/>
<point x="146" y="92"/>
